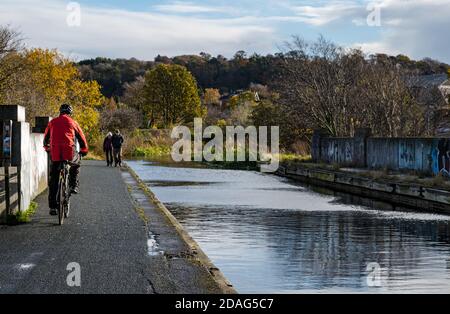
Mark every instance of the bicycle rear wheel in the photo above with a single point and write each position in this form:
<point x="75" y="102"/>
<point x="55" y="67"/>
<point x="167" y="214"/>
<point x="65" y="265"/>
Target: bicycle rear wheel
<point x="67" y="207"/>
<point x="61" y="199"/>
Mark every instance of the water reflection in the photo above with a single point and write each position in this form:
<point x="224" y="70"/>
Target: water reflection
<point x="271" y="235"/>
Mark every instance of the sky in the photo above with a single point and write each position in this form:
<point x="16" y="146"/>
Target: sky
<point x="145" y="28"/>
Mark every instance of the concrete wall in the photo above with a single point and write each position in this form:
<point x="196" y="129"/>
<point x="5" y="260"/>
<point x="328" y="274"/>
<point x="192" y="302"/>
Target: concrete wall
<point x="419" y="154"/>
<point x="425" y="155"/>
<point x="28" y="154"/>
<point x="34" y="169"/>
<point x="337" y="150"/>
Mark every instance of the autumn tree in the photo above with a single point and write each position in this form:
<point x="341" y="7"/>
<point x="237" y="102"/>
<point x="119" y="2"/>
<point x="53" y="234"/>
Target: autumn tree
<point x="43" y="83"/>
<point x="242" y="99"/>
<point x="240" y="107"/>
<point x="171" y="96"/>
<point x="86" y="99"/>
<point x="211" y="96"/>
<point x="48" y="79"/>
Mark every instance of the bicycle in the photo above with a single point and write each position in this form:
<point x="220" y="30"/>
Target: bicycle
<point x="64" y="192"/>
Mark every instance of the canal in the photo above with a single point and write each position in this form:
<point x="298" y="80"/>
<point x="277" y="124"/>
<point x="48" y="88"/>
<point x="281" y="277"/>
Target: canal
<point x="272" y="235"/>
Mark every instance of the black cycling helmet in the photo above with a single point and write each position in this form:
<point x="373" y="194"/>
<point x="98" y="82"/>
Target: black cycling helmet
<point x="66" y="109"/>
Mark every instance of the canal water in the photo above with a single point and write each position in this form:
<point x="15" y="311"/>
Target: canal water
<point x="272" y="235"/>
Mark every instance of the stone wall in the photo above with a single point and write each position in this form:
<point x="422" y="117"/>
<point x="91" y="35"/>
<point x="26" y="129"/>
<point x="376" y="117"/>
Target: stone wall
<point x="414" y="196"/>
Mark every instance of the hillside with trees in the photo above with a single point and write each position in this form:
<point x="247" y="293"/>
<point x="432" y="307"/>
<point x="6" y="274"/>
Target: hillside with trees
<point x="307" y="86"/>
<point x="226" y="75"/>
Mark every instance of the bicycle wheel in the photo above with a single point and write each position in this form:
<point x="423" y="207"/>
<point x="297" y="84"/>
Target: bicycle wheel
<point x="68" y="192"/>
<point x="61" y="197"/>
<point x="67" y="206"/>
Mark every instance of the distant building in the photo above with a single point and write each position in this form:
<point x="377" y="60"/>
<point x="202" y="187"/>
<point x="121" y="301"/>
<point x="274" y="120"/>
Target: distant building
<point x="428" y="81"/>
<point x="443" y="129"/>
<point x="427" y="89"/>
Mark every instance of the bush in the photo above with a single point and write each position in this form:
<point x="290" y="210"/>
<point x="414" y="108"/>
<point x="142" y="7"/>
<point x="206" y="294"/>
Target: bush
<point x="147" y="143"/>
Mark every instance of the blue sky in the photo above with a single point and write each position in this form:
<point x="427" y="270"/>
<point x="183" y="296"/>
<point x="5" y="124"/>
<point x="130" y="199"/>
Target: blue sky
<point x="145" y="28"/>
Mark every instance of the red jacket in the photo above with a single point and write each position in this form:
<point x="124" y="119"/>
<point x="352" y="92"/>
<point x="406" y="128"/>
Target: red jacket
<point x="61" y="136"/>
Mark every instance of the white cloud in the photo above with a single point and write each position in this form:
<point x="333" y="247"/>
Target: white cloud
<point x="378" y="47"/>
<point x="332" y="11"/>
<point x="187" y="7"/>
<point x="121" y="33"/>
<point x="418" y="28"/>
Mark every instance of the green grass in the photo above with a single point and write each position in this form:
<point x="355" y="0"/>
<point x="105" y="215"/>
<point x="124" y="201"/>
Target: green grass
<point x="151" y="151"/>
<point x="286" y="157"/>
<point x="22" y="217"/>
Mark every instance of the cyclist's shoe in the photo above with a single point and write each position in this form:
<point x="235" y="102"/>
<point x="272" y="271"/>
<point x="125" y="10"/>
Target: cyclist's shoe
<point x="74" y="190"/>
<point x="53" y="212"/>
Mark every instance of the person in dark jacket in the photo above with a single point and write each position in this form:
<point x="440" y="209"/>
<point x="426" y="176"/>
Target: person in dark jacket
<point x="108" y="149"/>
<point x="117" y="142"/>
<point x="62" y="136"/>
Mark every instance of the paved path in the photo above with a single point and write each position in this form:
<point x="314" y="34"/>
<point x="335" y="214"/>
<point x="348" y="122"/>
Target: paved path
<point x="107" y="238"/>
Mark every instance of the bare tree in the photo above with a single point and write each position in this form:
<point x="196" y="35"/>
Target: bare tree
<point x="134" y="95"/>
<point x="322" y="85"/>
<point x="10" y="44"/>
<point x="123" y="118"/>
<point x="390" y="110"/>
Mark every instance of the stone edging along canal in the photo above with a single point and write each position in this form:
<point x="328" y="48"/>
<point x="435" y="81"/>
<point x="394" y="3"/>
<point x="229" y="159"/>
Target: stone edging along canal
<point x="198" y="255"/>
<point x="415" y="196"/>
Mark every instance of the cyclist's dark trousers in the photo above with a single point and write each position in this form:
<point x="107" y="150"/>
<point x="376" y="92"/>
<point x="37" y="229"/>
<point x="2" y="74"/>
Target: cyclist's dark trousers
<point x="109" y="157"/>
<point x="117" y="156"/>
<point x="54" y="179"/>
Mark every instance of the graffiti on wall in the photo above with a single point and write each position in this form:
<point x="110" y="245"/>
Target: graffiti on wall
<point x="348" y="152"/>
<point x="338" y="151"/>
<point x="443" y="157"/>
<point x="407" y="158"/>
<point x="427" y="156"/>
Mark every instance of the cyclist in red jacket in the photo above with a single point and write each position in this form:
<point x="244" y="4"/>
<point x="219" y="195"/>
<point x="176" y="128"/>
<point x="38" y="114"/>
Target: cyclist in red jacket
<point x="62" y="138"/>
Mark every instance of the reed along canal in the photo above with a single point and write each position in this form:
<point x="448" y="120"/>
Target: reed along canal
<point x="273" y="235"/>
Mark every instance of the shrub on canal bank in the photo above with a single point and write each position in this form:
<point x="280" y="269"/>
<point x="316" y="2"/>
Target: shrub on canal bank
<point x="140" y="143"/>
<point x="149" y="143"/>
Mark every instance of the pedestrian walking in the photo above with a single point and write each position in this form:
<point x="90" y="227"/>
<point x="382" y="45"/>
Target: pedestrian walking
<point x="117" y="142"/>
<point x="108" y="149"/>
